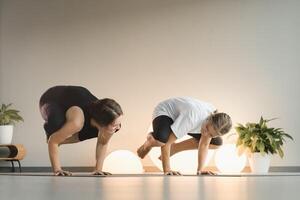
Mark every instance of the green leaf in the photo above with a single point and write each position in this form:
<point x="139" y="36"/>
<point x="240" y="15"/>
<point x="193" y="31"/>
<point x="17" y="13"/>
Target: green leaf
<point x="268" y="120"/>
<point x="261" y="147"/>
<point x="287" y="135"/>
<point x="280" y="152"/>
<point x="261" y="121"/>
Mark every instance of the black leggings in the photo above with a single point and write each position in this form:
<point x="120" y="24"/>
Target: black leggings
<point x="162" y="130"/>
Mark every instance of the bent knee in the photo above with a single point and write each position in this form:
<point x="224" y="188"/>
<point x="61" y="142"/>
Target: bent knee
<point x="160" y="137"/>
<point x="76" y="125"/>
<point x="75" y="118"/>
<point x="218" y="141"/>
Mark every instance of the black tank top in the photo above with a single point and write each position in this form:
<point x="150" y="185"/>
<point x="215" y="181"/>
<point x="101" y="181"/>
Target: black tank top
<point x="67" y="96"/>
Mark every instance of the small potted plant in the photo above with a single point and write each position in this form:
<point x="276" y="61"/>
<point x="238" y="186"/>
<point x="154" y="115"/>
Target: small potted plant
<point x="8" y="118"/>
<point x="260" y="141"/>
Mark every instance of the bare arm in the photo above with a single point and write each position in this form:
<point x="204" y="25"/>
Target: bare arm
<point x="202" y="151"/>
<point x="101" y="148"/>
<point x="74" y="123"/>
<point x="73" y="139"/>
<point x="165" y="155"/>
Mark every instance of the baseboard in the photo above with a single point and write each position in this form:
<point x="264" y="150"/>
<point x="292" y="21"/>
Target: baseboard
<point x="146" y="168"/>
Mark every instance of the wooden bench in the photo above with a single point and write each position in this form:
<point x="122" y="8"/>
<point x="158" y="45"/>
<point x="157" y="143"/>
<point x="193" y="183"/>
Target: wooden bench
<point x="16" y="152"/>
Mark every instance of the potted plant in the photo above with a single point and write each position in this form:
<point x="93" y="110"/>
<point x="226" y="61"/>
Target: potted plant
<point x="260" y="141"/>
<point x="8" y="118"/>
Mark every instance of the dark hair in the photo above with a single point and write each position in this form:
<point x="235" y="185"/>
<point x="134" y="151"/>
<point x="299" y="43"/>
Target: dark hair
<point x="105" y="111"/>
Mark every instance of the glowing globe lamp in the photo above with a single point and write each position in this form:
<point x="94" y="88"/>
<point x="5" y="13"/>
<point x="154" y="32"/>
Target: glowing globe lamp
<point x="228" y="161"/>
<point x="123" y="162"/>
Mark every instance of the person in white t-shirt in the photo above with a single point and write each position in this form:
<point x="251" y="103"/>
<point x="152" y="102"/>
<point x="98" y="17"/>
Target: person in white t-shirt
<point x="180" y="116"/>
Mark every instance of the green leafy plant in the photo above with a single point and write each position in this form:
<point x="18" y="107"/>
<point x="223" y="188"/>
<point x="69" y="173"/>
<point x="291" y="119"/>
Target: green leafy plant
<point x="9" y="116"/>
<point x="258" y="137"/>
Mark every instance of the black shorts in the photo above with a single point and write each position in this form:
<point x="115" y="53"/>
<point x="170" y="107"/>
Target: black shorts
<point x="54" y="117"/>
<point x="218" y="141"/>
<point x="162" y="130"/>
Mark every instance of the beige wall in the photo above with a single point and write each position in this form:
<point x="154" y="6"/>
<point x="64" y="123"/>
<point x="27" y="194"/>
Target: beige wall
<point x="242" y="56"/>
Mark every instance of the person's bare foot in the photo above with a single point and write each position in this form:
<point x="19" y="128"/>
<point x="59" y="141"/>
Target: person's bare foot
<point x="143" y="151"/>
<point x="147" y="146"/>
<point x="150" y="139"/>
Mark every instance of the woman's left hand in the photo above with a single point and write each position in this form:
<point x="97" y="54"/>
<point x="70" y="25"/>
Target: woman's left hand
<point x="206" y="173"/>
<point x="100" y="173"/>
<point x="62" y="173"/>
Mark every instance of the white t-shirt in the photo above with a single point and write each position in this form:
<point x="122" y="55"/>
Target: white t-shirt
<point x="187" y="113"/>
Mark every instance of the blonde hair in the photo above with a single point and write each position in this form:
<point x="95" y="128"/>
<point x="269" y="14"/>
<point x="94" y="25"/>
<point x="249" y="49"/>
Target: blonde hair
<point x="221" y="122"/>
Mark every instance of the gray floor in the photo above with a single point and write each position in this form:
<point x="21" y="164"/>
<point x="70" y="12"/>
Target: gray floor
<point x="150" y="186"/>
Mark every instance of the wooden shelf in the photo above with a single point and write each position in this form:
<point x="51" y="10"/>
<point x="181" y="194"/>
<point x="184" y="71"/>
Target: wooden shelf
<point x="12" y="153"/>
<point x="16" y="151"/>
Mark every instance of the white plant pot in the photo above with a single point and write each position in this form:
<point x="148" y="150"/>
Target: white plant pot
<point x="259" y="164"/>
<point x="6" y="134"/>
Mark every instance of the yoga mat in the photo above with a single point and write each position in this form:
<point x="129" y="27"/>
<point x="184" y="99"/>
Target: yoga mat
<point x="153" y="175"/>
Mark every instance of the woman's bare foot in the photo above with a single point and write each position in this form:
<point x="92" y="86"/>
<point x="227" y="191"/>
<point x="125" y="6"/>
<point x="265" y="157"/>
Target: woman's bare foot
<point x="150" y="139"/>
<point x="143" y="151"/>
<point x="147" y="146"/>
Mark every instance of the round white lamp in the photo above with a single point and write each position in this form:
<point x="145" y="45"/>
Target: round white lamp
<point x="228" y="161"/>
<point x="123" y="162"/>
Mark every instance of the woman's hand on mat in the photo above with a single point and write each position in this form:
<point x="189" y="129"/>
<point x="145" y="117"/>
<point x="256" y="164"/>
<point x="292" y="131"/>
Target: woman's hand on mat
<point x="100" y="173"/>
<point x="62" y="173"/>
<point x="173" y="173"/>
<point x="206" y="173"/>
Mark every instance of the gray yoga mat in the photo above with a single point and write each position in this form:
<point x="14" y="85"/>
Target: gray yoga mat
<point x="154" y="175"/>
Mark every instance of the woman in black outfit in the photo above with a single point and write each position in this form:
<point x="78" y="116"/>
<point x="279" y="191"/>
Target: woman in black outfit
<point x="73" y="114"/>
